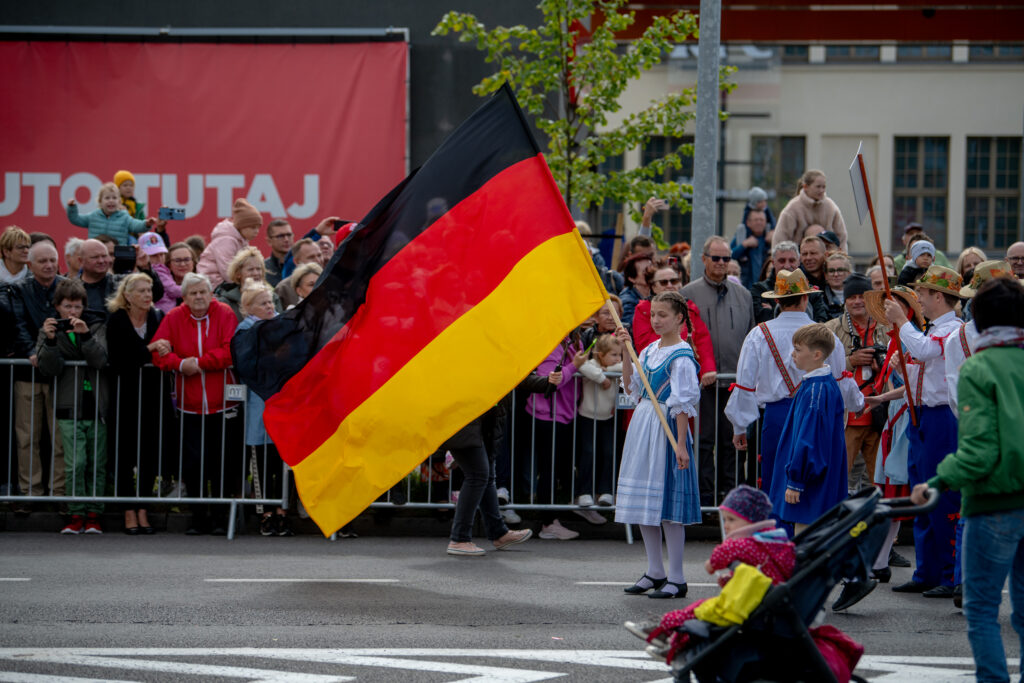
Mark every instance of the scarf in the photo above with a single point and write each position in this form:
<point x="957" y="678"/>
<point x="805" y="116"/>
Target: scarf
<point x="1000" y="335"/>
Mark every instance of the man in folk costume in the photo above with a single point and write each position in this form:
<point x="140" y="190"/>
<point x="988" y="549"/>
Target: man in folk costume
<point x="766" y="376"/>
<point x="958" y="348"/>
<point x="935" y="434"/>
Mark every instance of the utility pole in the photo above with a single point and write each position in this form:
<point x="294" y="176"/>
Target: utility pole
<point x="705" y="153"/>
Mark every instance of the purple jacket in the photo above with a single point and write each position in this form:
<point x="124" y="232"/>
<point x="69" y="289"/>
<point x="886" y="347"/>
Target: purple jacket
<point x="172" y="290"/>
<point x="567" y="396"/>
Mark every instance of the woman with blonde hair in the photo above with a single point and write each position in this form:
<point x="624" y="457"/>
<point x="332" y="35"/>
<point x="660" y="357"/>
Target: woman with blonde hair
<point x="968" y="261"/>
<point x="136" y="401"/>
<point x="809" y="207"/>
<point x="247" y="264"/>
<point x="304" y="278"/>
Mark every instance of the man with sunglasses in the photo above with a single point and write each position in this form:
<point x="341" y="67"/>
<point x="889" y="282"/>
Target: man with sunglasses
<point x="727" y="309"/>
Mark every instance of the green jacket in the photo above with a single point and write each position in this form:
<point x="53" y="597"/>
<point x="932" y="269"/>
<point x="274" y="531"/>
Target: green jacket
<point x="988" y="466"/>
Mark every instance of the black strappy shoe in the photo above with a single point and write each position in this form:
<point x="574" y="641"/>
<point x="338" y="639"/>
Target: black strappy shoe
<point x="637" y="589"/>
<point x="664" y="595"/>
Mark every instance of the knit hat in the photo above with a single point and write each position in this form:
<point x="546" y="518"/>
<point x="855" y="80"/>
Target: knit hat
<point x="151" y="243"/>
<point x="244" y="215"/>
<point x="122" y="176"/>
<point x="920" y="247"/>
<point x="748" y="503"/>
<point x="755" y="196"/>
<point x="856" y="284"/>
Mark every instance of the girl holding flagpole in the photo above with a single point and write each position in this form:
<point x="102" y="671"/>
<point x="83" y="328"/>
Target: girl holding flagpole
<point x="658" y="484"/>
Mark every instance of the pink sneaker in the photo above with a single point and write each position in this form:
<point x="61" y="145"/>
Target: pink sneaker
<point x="467" y="549"/>
<point x="512" y="538"/>
<point x="555" y="531"/>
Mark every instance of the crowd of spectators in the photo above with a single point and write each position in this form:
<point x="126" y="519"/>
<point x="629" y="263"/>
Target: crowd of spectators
<point x="149" y="414"/>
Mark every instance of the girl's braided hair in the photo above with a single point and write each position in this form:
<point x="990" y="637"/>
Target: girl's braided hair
<point x="679" y="304"/>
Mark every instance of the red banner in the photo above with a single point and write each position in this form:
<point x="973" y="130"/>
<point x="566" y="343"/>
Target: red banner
<point x="302" y="131"/>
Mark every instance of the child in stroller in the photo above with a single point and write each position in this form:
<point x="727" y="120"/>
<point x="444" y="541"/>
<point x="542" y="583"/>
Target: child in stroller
<point x="777" y="642"/>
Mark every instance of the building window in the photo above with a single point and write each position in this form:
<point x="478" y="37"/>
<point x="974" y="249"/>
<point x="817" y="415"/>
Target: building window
<point x="605" y="218"/>
<point x="992" y="206"/>
<point x="924" y="53"/>
<point x="777" y="162"/>
<point x="852" y="53"/>
<point x="675" y="224"/>
<point x="997" y="53"/>
<point x="920" y="187"/>
<point x="795" y="54"/>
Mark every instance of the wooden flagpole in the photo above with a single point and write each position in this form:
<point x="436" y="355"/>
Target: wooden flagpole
<point x="888" y="292"/>
<point x="643" y="378"/>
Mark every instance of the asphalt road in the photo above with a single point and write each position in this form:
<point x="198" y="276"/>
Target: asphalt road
<point x="171" y="608"/>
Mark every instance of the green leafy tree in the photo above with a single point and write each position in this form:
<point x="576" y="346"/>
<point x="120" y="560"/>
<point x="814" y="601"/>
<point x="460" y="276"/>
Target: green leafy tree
<point x="572" y="83"/>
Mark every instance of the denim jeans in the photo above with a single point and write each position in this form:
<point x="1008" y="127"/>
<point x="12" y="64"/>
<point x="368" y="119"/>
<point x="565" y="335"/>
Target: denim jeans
<point x="993" y="547"/>
<point x="477" y="492"/>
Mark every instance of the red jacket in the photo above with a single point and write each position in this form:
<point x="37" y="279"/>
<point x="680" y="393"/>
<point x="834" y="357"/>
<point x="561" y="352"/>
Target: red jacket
<point x="643" y="334"/>
<point x="209" y="340"/>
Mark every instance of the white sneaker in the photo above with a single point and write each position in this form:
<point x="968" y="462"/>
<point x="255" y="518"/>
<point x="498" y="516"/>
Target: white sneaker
<point x="503" y="496"/>
<point x="555" y="531"/>
<point x="510" y="516"/>
<point x="605" y="500"/>
<point x="592" y="517"/>
<point x="585" y="501"/>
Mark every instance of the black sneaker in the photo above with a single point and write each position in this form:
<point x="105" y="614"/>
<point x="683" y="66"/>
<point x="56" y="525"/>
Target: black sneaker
<point x="897" y="560"/>
<point x="281" y="524"/>
<point x="853" y="592"/>
<point x="268" y="525"/>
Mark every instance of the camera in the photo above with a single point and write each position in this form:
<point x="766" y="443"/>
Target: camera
<point x="878" y="352"/>
<point x="64" y="325"/>
<point x="169" y="214"/>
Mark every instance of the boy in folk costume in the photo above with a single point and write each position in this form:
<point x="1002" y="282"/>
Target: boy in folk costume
<point x="935" y="434"/>
<point x="766" y="376"/>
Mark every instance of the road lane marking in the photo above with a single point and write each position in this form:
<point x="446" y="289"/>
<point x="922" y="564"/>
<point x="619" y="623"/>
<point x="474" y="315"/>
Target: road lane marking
<point x="296" y="580"/>
<point x="13" y="579"/>
<point x="20" y="677"/>
<point x="630" y="583"/>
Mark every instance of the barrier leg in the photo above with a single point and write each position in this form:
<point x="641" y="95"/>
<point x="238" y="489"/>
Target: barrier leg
<point x="629" y="534"/>
<point x="232" y="512"/>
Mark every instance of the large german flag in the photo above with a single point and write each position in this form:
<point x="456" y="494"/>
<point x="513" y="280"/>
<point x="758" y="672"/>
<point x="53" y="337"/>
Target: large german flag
<point x="453" y="288"/>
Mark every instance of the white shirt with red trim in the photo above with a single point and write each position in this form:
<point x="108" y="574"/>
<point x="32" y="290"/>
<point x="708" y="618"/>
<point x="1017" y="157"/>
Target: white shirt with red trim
<point x="929" y="349"/>
<point x="955" y="357"/>
<point x="758" y="380"/>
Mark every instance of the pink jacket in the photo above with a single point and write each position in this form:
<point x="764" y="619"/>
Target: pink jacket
<point x="802" y="212"/>
<point x="225" y="241"/>
<point x="172" y="290"/>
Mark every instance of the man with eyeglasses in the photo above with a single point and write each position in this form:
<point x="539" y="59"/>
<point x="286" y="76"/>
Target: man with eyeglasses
<point x="728" y="311"/>
<point x="281" y="238"/>
<point x="1015" y="256"/>
<point x="14" y="244"/>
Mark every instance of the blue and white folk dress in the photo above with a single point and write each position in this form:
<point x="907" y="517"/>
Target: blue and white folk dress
<point x="651" y="487"/>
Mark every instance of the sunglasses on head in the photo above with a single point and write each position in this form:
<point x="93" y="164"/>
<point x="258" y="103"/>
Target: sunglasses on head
<point x="719" y="259"/>
<point x="669" y="281"/>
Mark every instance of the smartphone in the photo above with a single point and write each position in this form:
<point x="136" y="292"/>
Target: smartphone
<point x="124" y="259"/>
<point x="169" y="214"/>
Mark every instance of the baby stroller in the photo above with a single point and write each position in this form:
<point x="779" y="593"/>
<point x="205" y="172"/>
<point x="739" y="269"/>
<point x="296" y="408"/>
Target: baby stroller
<point x="774" y="644"/>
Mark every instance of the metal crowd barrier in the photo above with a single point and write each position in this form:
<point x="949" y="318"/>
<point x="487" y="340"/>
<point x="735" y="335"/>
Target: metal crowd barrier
<point x="428" y="486"/>
<point x="33" y="400"/>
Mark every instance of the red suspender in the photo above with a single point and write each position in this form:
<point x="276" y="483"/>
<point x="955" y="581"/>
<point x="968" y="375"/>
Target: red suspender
<point x="778" y="359"/>
<point x="963" y="341"/>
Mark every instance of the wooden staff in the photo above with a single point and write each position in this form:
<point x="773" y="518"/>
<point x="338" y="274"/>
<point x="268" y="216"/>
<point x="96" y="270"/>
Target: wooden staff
<point x="643" y="378"/>
<point x="888" y="292"/>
